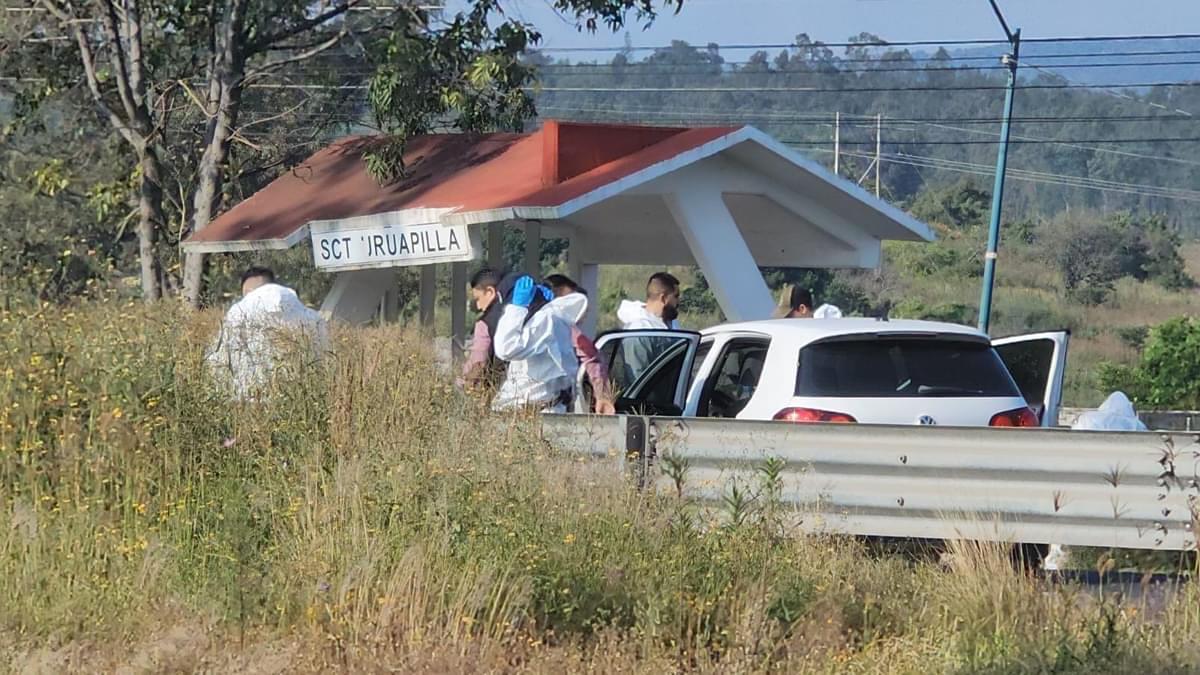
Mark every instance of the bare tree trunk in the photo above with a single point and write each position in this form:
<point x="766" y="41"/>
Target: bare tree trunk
<point x="225" y="94"/>
<point x="150" y="220"/>
<point x="210" y="182"/>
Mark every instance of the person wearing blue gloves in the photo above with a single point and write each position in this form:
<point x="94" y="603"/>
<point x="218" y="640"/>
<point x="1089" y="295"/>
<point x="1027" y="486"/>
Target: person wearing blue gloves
<point x="534" y="337"/>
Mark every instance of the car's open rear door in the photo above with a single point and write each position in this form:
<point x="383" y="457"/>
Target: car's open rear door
<point x="649" y="369"/>
<point x="1038" y="363"/>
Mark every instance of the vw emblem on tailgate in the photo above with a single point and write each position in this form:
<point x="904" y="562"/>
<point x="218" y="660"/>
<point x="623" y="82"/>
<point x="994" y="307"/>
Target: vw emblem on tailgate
<point x="926" y="420"/>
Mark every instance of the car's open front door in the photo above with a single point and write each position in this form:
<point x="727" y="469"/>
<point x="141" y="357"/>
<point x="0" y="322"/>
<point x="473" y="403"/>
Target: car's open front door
<point x="649" y="370"/>
<point x="1038" y="363"/>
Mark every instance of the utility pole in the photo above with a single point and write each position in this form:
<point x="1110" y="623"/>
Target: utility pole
<point x="989" y="260"/>
<point x="878" y="150"/>
<point x="837" y="143"/>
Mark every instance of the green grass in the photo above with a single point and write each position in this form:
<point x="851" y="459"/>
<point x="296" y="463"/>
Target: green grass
<point x="369" y="517"/>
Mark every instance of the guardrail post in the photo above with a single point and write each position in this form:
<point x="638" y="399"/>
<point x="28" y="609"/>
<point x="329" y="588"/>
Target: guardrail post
<point x="635" y="448"/>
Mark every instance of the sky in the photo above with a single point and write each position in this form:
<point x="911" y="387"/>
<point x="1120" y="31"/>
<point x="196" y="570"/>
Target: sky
<point x="779" y="21"/>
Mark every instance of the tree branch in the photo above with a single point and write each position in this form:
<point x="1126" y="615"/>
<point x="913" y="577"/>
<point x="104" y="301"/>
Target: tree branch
<point x="265" y="41"/>
<point x="108" y="14"/>
<point x="88" y="59"/>
<point x="133" y="23"/>
<point x="295" y="58"/>
<point x="271" y="118"/>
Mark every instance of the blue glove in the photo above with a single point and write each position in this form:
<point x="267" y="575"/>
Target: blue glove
<point x="547" y="294"/>
<point x="522" y="294"/>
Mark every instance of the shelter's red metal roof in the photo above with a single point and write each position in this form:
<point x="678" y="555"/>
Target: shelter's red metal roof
<point x="468" y="173"/>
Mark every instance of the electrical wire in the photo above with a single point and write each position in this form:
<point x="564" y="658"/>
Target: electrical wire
<point x="849" y="90"/>
<point x="886" y="44"/>
<point x="1062" y="180"/>
<point x="848" y="118"/>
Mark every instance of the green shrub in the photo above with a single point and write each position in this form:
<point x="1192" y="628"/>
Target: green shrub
<point x="1167" y="376"/>
<point x="1133" y="336"/>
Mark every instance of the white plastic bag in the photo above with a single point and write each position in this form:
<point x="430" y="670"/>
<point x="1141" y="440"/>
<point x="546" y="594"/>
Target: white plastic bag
<point x="827" y="312"/>
<point x="1115" y="414"/>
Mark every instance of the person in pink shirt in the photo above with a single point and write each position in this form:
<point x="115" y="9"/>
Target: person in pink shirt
<point x="482" y="370"/>
<point x="586" y="352"/>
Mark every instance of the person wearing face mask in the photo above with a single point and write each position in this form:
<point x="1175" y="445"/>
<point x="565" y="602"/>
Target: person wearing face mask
<point x="659" y="311"/>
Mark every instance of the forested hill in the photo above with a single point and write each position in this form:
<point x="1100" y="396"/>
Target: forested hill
<point x="1075" y="146"/>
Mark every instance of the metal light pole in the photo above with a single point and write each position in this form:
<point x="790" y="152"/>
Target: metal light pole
<point x="989" y="261"/>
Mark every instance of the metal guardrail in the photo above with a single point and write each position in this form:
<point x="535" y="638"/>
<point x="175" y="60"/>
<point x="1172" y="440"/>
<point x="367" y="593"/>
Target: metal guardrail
<point x="1077" y="488"/>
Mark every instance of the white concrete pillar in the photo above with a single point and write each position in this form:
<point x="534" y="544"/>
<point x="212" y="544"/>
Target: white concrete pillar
<point x="718" y="246"/>
<point x="389" y="307"/>
<point x="589" y="279"/>
<point x="458" y="308"/>
<point x="355" y="297"/>
<point x="428" y="294"/>
<point x="575" y="246"/>
<point x="496" y="246"/>
<point x="533" y="248"/>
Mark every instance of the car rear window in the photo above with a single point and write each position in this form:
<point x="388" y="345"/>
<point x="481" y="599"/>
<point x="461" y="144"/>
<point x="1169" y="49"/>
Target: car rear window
<point x="902" y="368"/>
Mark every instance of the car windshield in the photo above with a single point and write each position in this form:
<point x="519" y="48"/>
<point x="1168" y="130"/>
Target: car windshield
<point x="882" y="367"/>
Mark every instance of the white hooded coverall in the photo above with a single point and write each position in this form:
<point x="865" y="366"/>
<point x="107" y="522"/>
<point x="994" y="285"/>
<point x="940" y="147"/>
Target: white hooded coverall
<point x="540" y="353"/>
<point x="254" y="333"/>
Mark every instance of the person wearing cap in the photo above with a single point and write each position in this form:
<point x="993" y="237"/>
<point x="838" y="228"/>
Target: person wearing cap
<point x="585" y="350"/>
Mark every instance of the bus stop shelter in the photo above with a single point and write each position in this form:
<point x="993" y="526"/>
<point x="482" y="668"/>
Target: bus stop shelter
<point x="728" y="199"/>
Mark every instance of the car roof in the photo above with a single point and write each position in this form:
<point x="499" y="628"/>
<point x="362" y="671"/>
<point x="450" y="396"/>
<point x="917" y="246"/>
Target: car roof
<point x="814" y="329"/>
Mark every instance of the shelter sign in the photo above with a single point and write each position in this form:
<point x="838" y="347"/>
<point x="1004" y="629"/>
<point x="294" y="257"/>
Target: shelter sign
<point x="394" y="246"/>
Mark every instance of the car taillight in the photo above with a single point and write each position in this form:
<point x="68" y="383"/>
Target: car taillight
<point x="811" y="416"/>
<point x="1021" y="417"/>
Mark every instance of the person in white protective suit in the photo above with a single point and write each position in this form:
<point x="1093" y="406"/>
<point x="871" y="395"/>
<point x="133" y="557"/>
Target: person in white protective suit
<point x="268" y="323"/>
<point x="1115" y="414"/>
<point x="534" y="337"/>
<point x="658" y="312"/>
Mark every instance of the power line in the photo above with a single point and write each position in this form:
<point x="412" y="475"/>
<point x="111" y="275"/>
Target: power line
<point x="869" y="121"/>
<point x="902" y="119"/>
<point x="882" y="43"/>
<point x="847" y="90"/>
<point x="1015" y="141"/>
<point x="640" y="68"/>
<point x="1063" y="180"/>
<point x="950" y="58"/>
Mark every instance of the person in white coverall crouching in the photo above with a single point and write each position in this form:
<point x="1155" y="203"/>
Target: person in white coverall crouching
<point x="269" y="323"/>
<point x="534" y="337"/>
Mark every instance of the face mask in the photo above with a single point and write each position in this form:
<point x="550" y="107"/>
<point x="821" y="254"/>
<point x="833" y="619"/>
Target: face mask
<point x="670" y="313"/>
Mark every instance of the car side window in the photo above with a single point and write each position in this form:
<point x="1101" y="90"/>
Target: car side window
<point x="734" y="378"/>
<point x="659" y="389"/>
<point x="701" y="353"/>
<point x="640" y="362"/>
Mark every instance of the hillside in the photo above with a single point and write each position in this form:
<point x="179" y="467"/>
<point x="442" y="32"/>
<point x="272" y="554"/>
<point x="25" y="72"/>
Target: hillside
<point x="1073" y="147"/>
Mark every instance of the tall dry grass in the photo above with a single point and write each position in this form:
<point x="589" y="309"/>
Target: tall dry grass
<point x="368" y="517"/>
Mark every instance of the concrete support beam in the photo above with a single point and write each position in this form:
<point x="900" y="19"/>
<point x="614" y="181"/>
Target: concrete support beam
<point x="428" y="294"/>
<point x="356" y="296"/>
<point x="458" y="308"/>
<point x="589" y="279"/>
<point x="389" y="307"/>
<point x="495" y="246"/>
<point x="533" y="248"/>
<point x="575" y="246"/>
<point x="718" y="246"/>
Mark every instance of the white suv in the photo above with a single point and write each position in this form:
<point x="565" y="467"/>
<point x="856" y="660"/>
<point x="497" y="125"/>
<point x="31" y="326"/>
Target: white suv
<point x="839" y="370"/>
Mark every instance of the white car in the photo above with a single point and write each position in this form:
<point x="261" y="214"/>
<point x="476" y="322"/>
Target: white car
<point x="864" y="371"/>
